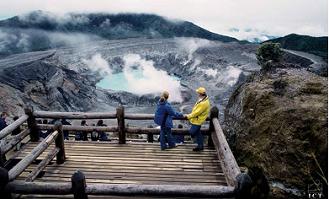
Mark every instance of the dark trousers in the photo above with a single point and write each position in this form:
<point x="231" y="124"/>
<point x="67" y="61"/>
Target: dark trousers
<point x="166" y="133"/>
<point x="195" y="132"/>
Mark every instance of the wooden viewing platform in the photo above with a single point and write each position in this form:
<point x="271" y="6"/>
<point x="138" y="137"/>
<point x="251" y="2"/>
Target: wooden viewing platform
<point x="55" y="168"/>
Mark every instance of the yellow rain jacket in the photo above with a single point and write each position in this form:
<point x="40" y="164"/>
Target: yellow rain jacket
<point x="199" y="112"/>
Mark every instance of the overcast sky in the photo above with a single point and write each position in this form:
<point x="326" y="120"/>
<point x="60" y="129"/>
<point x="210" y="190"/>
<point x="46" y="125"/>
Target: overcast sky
<point x="252" y="18"/>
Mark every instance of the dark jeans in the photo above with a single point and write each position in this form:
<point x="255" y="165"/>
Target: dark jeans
<point x="66" y="135"/>
<point x="166" y="132"/>
<point x="195" y="131"/>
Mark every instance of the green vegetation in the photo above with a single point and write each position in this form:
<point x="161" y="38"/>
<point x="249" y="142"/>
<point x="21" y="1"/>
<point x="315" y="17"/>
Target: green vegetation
<point x="268" y="53"/>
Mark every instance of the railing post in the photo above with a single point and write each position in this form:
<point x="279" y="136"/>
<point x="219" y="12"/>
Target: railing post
<point x="2" y="157"/>
<point x="150" y="135"/>
<point x="79" y="185"/>
<point x="59" y="142"/>
<point x="213" y="114"/>
<point x="32" y="124"/>
<point x="121" y="124"/>
<point x="4" y="179"/>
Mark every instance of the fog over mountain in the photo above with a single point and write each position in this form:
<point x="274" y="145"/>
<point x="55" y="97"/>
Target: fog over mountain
<point x="41" y="30"/>
<point x="253" y="18"/>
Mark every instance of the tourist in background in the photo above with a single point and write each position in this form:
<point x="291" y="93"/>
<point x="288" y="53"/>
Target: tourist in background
<point x="3" y="122"/>
<point x="80" y="135"/>
<point x="45" y="133"/>
<point x="94" y="135"/>
<point x="65" y="132"/>
<point x="16" y="132"/>
<point x="102" y="134"/>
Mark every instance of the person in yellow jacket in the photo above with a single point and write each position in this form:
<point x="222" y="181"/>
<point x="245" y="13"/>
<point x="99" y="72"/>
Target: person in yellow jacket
<point x="198" y="116"/>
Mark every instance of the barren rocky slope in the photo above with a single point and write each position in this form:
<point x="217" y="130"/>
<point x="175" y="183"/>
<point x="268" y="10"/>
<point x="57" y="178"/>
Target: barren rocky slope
<point x="278" y="121"/>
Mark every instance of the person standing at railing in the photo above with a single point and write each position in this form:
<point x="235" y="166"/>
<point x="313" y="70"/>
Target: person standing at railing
<point x="3" y="122"/>
<point x="163" y="117"/>
<point x="65" y="132"/>
<point x="94" y="135"/>
<point x="44" y="133"/>
<point x="102" y="134"/>
<point x="80" y="135"/>
<point x="16" y="132"/>
<point x="198" y="116"/>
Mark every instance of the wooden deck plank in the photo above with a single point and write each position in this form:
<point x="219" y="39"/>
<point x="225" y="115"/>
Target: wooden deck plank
<point x="132" y="163"/>
<point x="106" y="162"/>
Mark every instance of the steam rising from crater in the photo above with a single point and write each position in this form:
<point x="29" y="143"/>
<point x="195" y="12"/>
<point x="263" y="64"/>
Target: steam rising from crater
<point x="152" y="80"/>
<point x="231" y="75"/>
<point x="98" y="64"/>
<point x="190" y="45"/>
<point x="139" y="76"/>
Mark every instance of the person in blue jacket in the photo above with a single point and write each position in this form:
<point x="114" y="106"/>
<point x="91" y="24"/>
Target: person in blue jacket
<point x="3" y="123"/>
<point x="163" y="117"/>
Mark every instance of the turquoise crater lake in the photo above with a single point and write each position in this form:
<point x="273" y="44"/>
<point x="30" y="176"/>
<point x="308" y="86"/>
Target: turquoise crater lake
<point x="119" y="82"/>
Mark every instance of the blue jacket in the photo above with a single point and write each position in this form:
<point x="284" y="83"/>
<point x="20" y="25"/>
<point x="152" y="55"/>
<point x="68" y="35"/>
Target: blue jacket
<point x="3" y="124"/>
<point x="163" y="109"/>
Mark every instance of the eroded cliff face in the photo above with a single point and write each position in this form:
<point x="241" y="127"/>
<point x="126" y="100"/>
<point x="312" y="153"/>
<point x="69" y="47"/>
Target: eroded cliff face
<point x="278" y="121"/>
<point x="65" y="79"/>
<point x="44" y="85"/>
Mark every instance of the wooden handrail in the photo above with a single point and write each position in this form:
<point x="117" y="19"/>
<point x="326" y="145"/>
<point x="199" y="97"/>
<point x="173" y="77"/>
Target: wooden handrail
<point x="27" y="160"/>
<point x="55" y="188"/>
<point x="131" y="130"/>
<point x="95" y="115"/>
<point x="14" y="141"/>
<point x="195" y="191"/>
<point x="6" y="131"/>
<point x="228" y="162"/>
<point x="79" y="128"/>
<point x="177" y="131"/>
<point x="74" y="115"/>
<point x="31" y="177"/>
<point x="139" y="116"/>
<point x="49" y="188"/>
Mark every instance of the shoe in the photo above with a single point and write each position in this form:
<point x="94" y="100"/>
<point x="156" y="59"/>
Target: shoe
<point x="198" y="149"/>
<point x="171" y="147"/>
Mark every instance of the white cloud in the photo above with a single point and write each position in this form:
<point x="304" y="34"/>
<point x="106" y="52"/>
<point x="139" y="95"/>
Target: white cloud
<point x="277" y="17"/>
<point x="63" y="18"/>
<point x="23" y="42"/>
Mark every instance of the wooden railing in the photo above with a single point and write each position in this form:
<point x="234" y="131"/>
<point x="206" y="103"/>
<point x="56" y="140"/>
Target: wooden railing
<point x="78" y="186"/>
<point x="120" y="116"/>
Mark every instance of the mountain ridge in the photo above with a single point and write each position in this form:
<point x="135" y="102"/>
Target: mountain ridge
<point x="113" y="26"/>
<point x="314" y="45"/>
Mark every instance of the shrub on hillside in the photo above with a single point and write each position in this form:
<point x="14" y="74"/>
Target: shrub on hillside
<point x="267" y="54"/>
